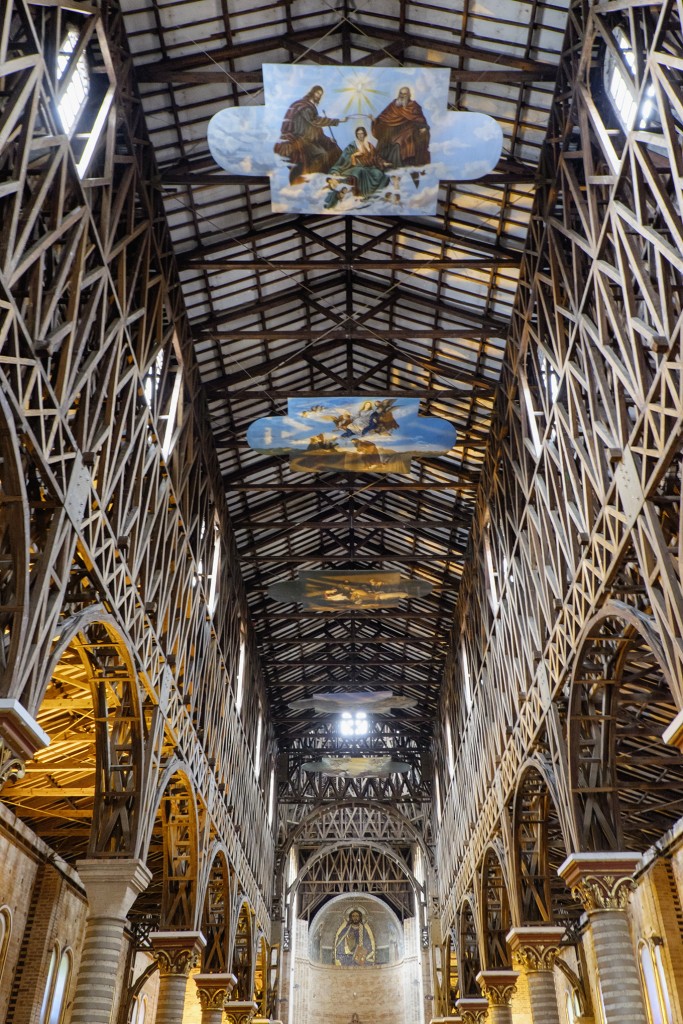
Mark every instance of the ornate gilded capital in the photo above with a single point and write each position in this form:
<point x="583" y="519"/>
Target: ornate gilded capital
<point x="600" y="881"/>
<point x="497" y="986"/>
<point x="214" y="990"/>
<point x="473" y="1011"/>
<point x="20" y="738"/>
<point x="535" y="947"/>
<point x="239" y="1012"/>
<point x="12" y="767"/>
<point x="177" y="952"/>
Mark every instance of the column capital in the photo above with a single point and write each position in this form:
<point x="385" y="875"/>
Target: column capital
<point x="240" y="1011"/>
<point x="20" y="738"/>
<point x="473" y="1011"/>
<point x="497" y="986"/>
<point x="600" y="881"/>
<point x="534" y="947"/>
<point x="177" y="952"/>
<point x="112" y="884"/>
<point x="214" y="989"/>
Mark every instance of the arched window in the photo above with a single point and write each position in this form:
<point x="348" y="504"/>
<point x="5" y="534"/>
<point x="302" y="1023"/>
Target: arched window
<point x="5" y="932"/>
<point x="657" y="999"/>
<point x="139" y="1011"/>
<point x="56" y="987"/>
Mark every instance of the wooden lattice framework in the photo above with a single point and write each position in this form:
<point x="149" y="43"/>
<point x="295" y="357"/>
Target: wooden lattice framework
<point x="577" y="617"/>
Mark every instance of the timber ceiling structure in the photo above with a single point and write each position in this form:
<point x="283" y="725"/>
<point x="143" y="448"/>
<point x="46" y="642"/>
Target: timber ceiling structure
<point x="287" y="306"/>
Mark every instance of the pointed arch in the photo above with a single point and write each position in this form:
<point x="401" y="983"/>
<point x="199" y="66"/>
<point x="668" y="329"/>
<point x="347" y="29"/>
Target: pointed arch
<point x="627" y="784"/>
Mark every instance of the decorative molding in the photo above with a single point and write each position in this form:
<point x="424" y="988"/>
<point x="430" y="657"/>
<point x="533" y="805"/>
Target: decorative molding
<point x="213" y="990"/>
<point x="240" y="1012"/>
<point x="601" y="881"/>
<point x="20" y="738"/>
<point x="497" y="986"/>
<point x="177" y="952"/>
<point x="472" y="1011"/>
<point x="534" y="948"/>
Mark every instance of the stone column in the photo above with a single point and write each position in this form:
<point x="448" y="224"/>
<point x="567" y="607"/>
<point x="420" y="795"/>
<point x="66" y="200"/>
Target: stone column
<point x="497" y="987"/>
<point x="534" y="950"/>
<point x="240" y="1011"/>
<point x="111" y="887"/>
<point x="472" y="1011"/>
<point x="176" y="954"/>
<point x="603" y="883"/>
<point x="213" y="990"/>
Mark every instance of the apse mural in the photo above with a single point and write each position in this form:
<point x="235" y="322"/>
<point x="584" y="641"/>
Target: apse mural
<point x="359" y="435"/>
<point x="357" y="767"/>
<point x="349" y="140"/>
<point x="355" y="930"/>
<point x="323" y="591"/>
<point x="377" y="702"/>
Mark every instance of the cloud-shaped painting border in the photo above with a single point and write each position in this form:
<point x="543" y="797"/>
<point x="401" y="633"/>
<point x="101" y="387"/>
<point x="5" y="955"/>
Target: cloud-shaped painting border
<point x="355" y="141"/>
<point x="366" y="434"/>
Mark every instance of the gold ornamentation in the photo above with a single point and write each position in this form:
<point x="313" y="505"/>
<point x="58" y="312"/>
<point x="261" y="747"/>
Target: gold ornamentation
<point x="474" y="1016"/>
<point x="12" y="767"/>
<point x="212" y="998"/>
<point x="177" y="961"/>
<point x="604" y="892"/>
<point x="238" y="1016"/>
<point x="534" y="957"/>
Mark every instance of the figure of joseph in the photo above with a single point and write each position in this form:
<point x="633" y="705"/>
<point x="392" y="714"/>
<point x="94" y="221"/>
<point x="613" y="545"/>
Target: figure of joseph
<point x="354" y="943"/>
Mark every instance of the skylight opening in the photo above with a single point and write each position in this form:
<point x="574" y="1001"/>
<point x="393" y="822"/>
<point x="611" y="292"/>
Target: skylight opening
<point x="241" y="667"/>
<point x="354" y="723"/>
<point x="215" y="569"/>
<point x="467" y="679"/>
<point x="257" y="747"/>
<point x="621" y="88"/>
<point x="75" y="96"/>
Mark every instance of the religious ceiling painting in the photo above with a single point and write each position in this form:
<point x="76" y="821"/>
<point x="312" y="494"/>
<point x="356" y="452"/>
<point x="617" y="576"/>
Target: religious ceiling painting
<point x="349" y="140"/>
<point x="377" y="702"/>
<point x="355" y="435"/>
<point x="357" y="767"/>
<point x="322" y="591"/>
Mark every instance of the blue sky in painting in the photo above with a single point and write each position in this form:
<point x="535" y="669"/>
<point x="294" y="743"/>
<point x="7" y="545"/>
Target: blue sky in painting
<point x="462" y="146"/>
<point x="310" y="417"/>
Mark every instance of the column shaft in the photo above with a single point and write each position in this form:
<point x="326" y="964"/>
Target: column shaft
<point x="111" y="888"/>
<point x="543" y="997"/>
<point x="98" y="971"/>
<point x="619" y="980"/>
<point x="603" y="882"/>
<point x="171" y="1001"/>
<point x="500" y="1014"/>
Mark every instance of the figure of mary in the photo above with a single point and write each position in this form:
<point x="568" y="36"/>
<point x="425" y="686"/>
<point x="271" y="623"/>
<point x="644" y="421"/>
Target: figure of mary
<point x="360" y="166"/>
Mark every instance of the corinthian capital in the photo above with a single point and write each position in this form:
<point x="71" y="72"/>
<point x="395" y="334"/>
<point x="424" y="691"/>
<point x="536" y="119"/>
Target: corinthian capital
<point x="177" y="952"/>
<point x="239" y="1012"/>
<point x="534" y="947"/>
<point x="214" y="989"/>
<point x="497" y="986"/>
<point x="600" y="881"/>
<point x="472" y="1011"/>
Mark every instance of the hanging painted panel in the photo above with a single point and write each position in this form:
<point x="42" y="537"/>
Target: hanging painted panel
<point x="330" y="591"/>
<point x="349" y="140"/>
<point x="355" y="435"/>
